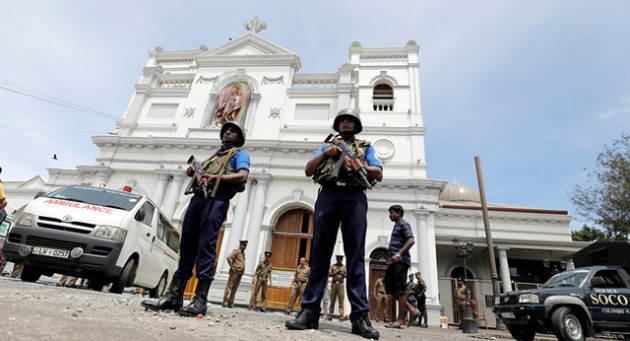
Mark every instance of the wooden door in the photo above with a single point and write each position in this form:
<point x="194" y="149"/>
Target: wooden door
<point x="292" y="239"/>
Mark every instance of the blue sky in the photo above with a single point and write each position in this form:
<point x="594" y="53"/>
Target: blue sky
<point x="535" y="88"/>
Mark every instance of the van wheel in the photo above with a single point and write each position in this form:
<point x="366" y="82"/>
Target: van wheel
<point x="566" y="324"/>
<point x="126" y="276"/>
<point x="159" y="289"/>
<point x="522" y="333"/>
<point x="96" y="284"/>
<point x="30" y="273"/>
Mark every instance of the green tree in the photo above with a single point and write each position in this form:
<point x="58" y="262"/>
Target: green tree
<point x="605" y="197"/>
<point x="587" y="234"/>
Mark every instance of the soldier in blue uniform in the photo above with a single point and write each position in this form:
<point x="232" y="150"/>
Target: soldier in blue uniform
<point x="227" y="171"/>
<point x="340" y="200"/>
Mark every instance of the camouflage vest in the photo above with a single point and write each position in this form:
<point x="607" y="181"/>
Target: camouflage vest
<point x="216" y="162"/>
<point x="347" y="174"/>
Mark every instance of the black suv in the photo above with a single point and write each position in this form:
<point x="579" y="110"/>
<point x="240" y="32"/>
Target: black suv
<point x="592" y="298"/>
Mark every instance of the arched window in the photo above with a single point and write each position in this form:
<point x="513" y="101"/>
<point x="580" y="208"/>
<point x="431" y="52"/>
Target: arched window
<point x="383" y="98"/>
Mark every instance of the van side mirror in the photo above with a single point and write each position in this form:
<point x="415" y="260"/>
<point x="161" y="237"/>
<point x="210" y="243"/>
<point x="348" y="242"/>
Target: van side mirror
<point x="598" y="282"/>
<point x="39" y="194"/>
<point x="140" y="214"/>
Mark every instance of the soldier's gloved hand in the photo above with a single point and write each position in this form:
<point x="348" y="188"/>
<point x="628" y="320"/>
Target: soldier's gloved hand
<point x="332" y="151"/>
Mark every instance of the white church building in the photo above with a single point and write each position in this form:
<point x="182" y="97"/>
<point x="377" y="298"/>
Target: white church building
<point x="182" y="98"/>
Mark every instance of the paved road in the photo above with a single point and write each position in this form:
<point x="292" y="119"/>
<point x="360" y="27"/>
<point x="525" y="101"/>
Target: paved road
<point x="42" y="311"/>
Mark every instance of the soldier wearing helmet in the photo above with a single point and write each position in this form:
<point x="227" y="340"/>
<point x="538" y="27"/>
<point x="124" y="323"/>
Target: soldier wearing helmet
<point x="340" y="201"/>
<point x="226" y="174"/>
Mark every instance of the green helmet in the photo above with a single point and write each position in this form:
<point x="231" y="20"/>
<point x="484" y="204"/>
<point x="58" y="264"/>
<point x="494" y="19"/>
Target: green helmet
<point x="239" y="129"/>
<point x="358" y="127"/>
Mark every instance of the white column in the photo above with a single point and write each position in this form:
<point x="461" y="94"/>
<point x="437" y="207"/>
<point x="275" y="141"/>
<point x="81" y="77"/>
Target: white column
<point x="255" y="221"/>
<point x="236" y="227"/>
<point x="505" y="268"/>
<point x="160" y="186"/>
<point x="427" y="262"/>
<point x="421" y="242"/>
<point x="174" y="192"/>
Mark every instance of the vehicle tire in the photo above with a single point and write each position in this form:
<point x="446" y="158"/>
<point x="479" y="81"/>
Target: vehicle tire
<point x="159" y="289"/>
<point x="126" y="276"/>
<point x="96" y="284"/>
<point x="567" y="326"/>
<point x="522" y="333"/>
<point x="30" y="273"/>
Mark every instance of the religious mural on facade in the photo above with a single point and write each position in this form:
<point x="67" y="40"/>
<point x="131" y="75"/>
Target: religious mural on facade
<point x="232" y="103"/>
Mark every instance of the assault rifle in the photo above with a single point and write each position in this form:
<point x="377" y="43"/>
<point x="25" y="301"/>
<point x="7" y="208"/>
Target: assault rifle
<point x="355" y="163"/>
<point x="199" y="171"/>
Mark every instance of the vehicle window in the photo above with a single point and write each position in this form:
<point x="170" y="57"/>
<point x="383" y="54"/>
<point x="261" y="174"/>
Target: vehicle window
<point x="172" y="240"/>
<point x="97" y="196"/>
<point x="571" y="278"/>
<point x="161" y="228"/>
<point x="611" y="279"/>
<point x="148" y="213"/>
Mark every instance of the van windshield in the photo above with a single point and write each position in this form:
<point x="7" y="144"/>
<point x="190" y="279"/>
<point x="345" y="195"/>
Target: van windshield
<point x="571" y="278"/>
<point x="97" y="196"/>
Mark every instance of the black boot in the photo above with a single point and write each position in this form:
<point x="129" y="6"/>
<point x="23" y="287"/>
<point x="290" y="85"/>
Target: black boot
<point x="173" y="299"/>
<point x="303" y="321"/>
<point x="199" y="304"/>
<point x="363" y="327"/>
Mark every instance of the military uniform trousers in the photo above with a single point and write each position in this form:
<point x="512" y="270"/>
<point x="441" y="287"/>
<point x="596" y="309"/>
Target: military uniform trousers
<point x="347" y="206"/>
<point x="422" y="307"/>
<point x="232" y="286"/>
<point x="261" y="285"/>
<point x="381" y="306"/>
<point x="296" y="291"/>
<point x="198" y="244"/>
<point x="337" y="290"/>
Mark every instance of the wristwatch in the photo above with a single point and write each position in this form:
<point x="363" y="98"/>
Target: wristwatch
<point x="397" y="255"/>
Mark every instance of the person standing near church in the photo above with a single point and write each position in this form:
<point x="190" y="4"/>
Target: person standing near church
<point x="381" y="299"/>
<point x="461" y="301"/>
<point x="411" y="298"/>
<point x="341" y="200"/>
<point x="398" y="262"/>
<point x="226" y="173"/>
<point x="298" y="284"/>
<point x="236" y="260"/>
<point x="263" y="277"/>
<point x="420" y="293"/>
<point x="338" y="273"/>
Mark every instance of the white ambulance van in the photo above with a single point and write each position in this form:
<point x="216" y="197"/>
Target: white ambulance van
<point x="104" y="235"/>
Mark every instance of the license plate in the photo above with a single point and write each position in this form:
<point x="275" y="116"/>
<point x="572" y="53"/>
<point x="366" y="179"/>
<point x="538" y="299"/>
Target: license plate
<point x="44" y="251"/>
<point x="508" y="315"/>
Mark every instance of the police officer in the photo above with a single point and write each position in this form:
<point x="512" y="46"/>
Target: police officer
<point x="338" y="273"/>
<point x="298" y="284"/>
<point x="263" y="277"/>
<point x="340" y="200"/>
<point x="236" y="260"/>
<point x="227" y="170"/>
<point x="381" y="299"/>
<point x="420" y="293"/>
<point x="411" y="298"/>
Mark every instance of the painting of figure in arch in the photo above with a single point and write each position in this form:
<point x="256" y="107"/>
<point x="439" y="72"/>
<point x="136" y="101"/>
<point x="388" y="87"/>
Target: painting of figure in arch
<point x="232" y="103"/>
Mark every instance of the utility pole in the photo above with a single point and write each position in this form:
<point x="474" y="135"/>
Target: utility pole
<point x="496" y="291"/>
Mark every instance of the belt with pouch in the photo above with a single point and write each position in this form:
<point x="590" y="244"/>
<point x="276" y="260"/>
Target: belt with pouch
<point x="263" y="276"/>
<point x="337" y="282"/>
